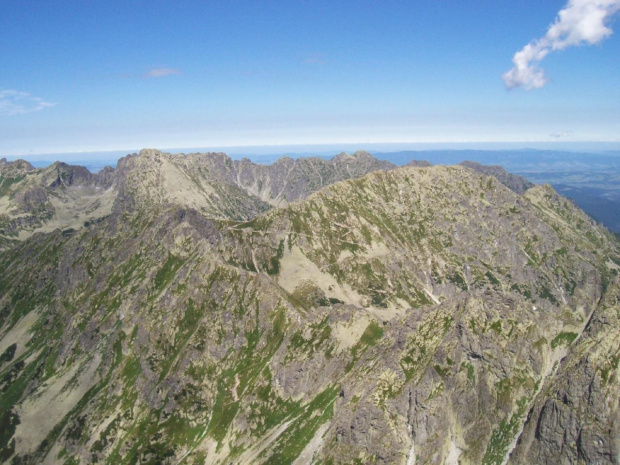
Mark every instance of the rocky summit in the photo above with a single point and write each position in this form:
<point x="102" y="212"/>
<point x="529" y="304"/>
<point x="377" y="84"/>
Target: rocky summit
<point x="192" y="309"/>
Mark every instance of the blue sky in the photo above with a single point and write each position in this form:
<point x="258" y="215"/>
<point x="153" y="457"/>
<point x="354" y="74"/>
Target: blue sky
<point x="108" y="75"/>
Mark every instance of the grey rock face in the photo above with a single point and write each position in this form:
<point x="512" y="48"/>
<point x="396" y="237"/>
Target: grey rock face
<point x="210" y="182"/>
<point x="289" y="180"/>
<point x="419" y="313"/>
<point x="418" y="163"/>
<point x="60" y="196"/>
<point x="578" y="421"/>
<point x="513" y="182"/>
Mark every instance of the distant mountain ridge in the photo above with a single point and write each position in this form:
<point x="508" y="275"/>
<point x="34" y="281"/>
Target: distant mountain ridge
<point x="512" y="160"/>
<point x="63" y="196"/>
<point x="513" y="182"/>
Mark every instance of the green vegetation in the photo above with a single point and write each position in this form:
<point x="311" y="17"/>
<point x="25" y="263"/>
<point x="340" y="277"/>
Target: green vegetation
<point x="609" y="368"/>
<point x="203" y="350"/>
<point x="303" y="428"/>
<point x="564" y="338"/>
<point x="421" y="345"/>
<point x="167" y="272"/>
<point x="268" y="409"/>
<point x="442" y="371"/>
<point x="8" y="422"/>
<point x="242" y="372"/>
<point x="153" y="439"/>
<point x="523" y="290"/>
<point x="496" y="326"/>
<point x="366" y="234"/>
<point x="503" y="435"/>
<point x="540" y="343"/>
<point x="7" y="183"/>
<point x="274" y="262"/>
<point x="492" y="279"/>
<point x="131" y="370"/>
<point x="8" y="354"/>
<point x="15" y="381"/>
<point x="471" y="376"/>
<point x="107" y="436"/>
<point x="372" y="334"/>
<point x="53" y="436"/>
<point x="545" y="293"/>
<point x="185" y="327"/>
<point x="320" y="333"/>
<point x="457" y="280"/>
<point x="126" y="273"/>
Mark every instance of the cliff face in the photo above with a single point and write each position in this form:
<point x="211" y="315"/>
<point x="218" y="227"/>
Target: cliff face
<point x="513" y="182"/>
<point x="60" y="196"/>
<point x="70" y="197"/>
<point x="578" y="420"/>
<point x="416" y="315"/>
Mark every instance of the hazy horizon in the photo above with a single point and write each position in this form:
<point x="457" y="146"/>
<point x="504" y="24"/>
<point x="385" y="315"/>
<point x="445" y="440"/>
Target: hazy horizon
<point x="328" y="149"/>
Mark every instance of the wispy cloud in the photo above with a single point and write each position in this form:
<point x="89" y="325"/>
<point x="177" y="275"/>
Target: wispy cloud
<point x="580" y="22"/>
<point x="560" y="134"/>
<point x="15" y="102"/>
<point x="161" y="72"/>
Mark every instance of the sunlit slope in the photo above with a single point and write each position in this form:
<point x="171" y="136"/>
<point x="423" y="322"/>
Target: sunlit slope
<point x="410" y="316"/>
<point x="69" y="197"/>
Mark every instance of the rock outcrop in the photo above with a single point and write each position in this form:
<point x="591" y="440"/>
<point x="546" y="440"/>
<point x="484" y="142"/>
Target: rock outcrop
<point x="68" y="197"/>
<point x="410" y="315"/>
<point x="513" y="182"/>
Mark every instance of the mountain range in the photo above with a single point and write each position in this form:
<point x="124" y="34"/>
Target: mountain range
<point x="195" y="309"/>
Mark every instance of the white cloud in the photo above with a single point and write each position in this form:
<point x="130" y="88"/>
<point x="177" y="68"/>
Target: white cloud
<point x="15" y="102"/>
<point x="561" y="134"/>
<point x="162" y="72"/>
<point x="580" y="22"/>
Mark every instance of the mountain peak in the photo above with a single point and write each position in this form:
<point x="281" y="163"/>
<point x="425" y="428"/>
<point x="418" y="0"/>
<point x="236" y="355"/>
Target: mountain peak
<point x="148" y="152"/>
<point x="513" y="182"/>
<point x="360" y="154"/>
<point x="18" y="164"/>
<point x="357" y="155"/>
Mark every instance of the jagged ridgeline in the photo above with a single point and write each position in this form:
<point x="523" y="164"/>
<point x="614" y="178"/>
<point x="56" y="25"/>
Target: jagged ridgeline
<point x="194" y="309"/>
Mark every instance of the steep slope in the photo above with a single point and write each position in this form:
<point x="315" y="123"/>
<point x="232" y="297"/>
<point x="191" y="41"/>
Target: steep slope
<point x="60" y="196"/>
<point x="578" y="418"/>
<point x="70" y="197"/>
<point x="220" y="187"/>
<point x="287" y="179"/>
<point x="411" y="316"/>
<point x="513" y="182"/>
<point x="152" y="179"/>
<point x="511" y="286"/>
